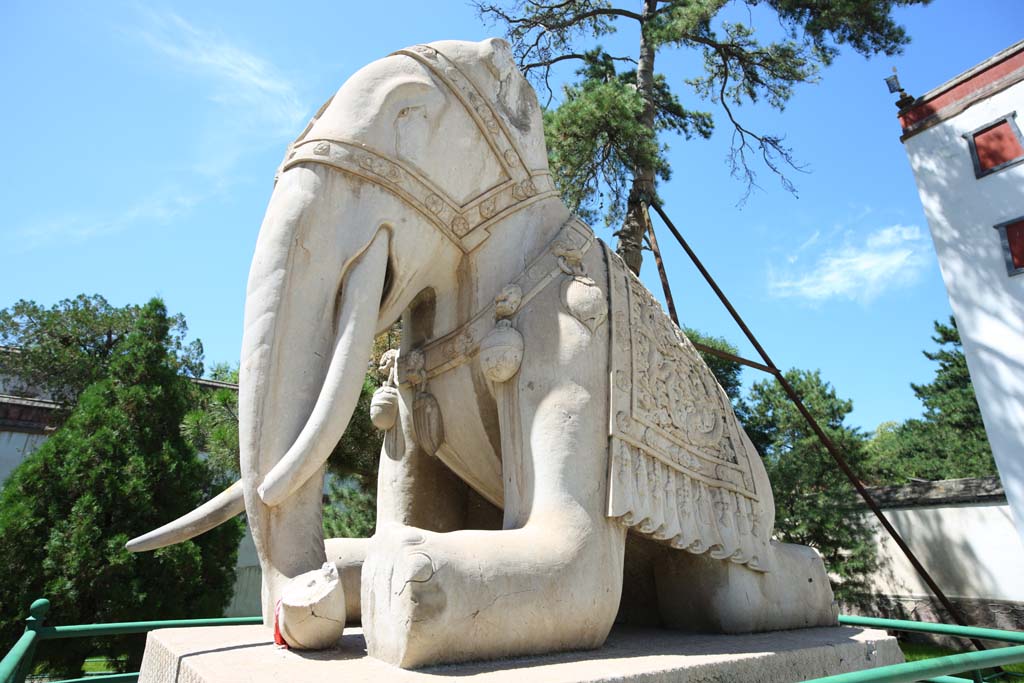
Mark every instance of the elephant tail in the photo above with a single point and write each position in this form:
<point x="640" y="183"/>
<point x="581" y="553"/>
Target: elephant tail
<point x="210" y="514"/>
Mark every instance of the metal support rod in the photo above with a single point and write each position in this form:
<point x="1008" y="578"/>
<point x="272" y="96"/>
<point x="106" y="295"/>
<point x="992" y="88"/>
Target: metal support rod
<point x="704" y="348"/>
<point x="818" y="431"/>
<point x="669" y="301"/>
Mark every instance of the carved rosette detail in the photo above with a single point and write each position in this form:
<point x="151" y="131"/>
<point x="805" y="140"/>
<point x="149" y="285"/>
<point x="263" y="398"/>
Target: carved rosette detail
<point x="322" y="149"/>
<point x="434" y="203"/>
<point x="460" y="226"/>
<point x="381" y="167"/>
<point x="524" y="190"/>
<point x="460" y="346"/>
<point x="488" y="208"/>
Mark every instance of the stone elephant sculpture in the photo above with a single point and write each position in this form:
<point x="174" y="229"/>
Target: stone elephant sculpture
<point x="557" y="454"/>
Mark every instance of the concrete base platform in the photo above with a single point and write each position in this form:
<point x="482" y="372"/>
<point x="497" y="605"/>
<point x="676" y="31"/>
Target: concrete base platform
<point x="246" y="654"/>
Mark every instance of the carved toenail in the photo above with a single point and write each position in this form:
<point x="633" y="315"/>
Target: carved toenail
<point x="421" y="567"/>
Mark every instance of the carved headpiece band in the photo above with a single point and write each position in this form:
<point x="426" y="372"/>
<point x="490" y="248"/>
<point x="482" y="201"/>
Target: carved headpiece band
<point x="466" y="225"/>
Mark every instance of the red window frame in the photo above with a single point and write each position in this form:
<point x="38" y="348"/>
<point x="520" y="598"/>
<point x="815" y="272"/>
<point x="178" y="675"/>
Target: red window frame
<point x="1010" y="121"/>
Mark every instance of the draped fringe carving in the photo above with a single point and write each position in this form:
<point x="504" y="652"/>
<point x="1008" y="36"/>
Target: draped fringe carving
<point x="669" y="506"/>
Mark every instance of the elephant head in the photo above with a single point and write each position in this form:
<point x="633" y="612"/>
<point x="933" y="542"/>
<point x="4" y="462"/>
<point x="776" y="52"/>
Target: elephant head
<point x="398" y="178"/>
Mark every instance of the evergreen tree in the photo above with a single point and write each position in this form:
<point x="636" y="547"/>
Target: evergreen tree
<point x="603" y="138"/>
<point x="815" y="504"/>
<point x="211" y="426"/>
<point x="351" y="510"/>
<point x="727" y="372"/>
<point x="949" y="441"/>
<point x="118" y="467"/>
<point x="61" y="350"/>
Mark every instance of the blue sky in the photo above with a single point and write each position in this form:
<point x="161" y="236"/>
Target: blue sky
<point x="141" y="142"/>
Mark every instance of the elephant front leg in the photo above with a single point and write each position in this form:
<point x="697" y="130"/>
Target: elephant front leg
<point x="551" y="584"/>
<point x="413" y="488"/>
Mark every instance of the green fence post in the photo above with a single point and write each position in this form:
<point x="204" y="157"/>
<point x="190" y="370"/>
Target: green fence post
<point x="36" y="616"/>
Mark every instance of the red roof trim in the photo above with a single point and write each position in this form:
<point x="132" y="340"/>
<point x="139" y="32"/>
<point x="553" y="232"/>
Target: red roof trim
<point x="937" y="105"/>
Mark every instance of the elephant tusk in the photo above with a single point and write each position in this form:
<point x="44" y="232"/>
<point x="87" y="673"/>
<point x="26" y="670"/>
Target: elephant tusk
<point x="362" y="290"/>
<point x="210" y="514"/>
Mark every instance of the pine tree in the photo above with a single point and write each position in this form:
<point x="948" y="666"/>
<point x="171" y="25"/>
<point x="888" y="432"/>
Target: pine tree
<point x="603" y="137"/>
<point x="815" y="504"/>
<point x="949" y="440"/>
<point x="118" y="467"/>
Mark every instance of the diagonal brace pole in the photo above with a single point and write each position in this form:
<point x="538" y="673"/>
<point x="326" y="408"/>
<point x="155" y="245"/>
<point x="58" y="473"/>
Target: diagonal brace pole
<point x="825" y="440"/>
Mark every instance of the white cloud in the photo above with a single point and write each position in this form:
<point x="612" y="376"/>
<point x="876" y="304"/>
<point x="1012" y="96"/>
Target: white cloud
<point x="252" y="107"/>
<point x="808" y="243"/>
<point x="254" y="104"/>
<point x="154" y="210"/>
<point x="887" y="259"/>
<point x="244" y="80"/>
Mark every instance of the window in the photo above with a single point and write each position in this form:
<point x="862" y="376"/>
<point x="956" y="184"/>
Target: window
<point x="1011" y="233"/>
<point x="996" y="145"/>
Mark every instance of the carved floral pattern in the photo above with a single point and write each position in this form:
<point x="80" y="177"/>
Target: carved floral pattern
<point x="488" y="207"/>
<point x="381" y="167"/>
<point x="460" y="226"/>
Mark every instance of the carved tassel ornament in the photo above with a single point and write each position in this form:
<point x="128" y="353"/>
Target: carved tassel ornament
<point x="427" y="422"/>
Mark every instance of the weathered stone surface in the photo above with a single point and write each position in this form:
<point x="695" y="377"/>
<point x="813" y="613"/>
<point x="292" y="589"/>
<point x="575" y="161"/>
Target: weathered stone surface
<point x="534" y="371"/>
<point x="246" y="654"/>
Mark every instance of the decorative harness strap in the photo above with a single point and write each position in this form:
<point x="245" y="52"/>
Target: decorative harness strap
<point x="465" y="225"/>
<point x="563" y="256"/>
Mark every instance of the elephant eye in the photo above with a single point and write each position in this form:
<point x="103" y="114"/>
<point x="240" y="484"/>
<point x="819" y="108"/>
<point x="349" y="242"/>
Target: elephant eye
<point x="406" y="112"/>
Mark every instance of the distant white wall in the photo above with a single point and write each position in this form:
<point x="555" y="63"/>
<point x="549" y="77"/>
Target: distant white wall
<point x="248" y="581"/>
<point x="971" y="550"/>
<point x="987" y="303"/>
<point x="15" y="447"/>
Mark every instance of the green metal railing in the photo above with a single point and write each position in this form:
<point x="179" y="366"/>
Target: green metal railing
<point x="17" y="664"/>
<point x="937" y="669"/>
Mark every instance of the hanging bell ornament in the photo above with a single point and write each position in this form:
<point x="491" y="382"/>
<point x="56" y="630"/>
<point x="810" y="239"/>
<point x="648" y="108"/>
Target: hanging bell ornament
<point x="501" y="352"/>
<point x="384" y="408"/>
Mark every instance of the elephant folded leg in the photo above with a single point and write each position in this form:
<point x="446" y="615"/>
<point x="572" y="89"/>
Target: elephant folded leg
<point x="699" y="593"/>
<point x="468" y="595"/>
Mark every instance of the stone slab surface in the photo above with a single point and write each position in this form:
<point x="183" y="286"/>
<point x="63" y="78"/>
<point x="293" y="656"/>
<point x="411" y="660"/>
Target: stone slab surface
<point x="246" y="654"/>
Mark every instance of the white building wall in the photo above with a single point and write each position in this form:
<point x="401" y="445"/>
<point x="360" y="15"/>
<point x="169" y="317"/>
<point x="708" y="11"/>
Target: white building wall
<point x="971" y="550"/>
<point x="988" y="304"/>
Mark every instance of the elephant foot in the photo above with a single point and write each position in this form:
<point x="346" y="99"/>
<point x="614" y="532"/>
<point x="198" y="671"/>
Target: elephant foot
<point x="311" y="612"/>
<point x="698" y="593"/>
<point x="431" y="598"/>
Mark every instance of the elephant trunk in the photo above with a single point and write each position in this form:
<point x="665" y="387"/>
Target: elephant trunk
<point x="312" y="304"/>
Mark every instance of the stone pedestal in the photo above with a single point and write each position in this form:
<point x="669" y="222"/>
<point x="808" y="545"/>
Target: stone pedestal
<point x="246" y="654"/>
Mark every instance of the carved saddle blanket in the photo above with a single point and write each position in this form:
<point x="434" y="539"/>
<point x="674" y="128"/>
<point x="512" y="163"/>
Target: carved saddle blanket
<point x="680" y="471"/>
